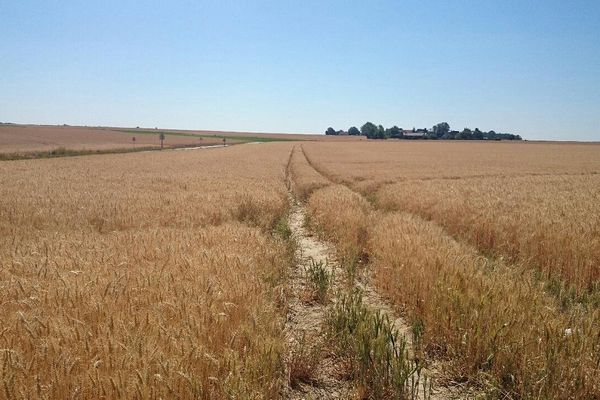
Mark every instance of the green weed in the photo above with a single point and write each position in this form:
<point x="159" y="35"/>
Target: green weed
<point x="376" y="352"/>
<point x="320" y="278"/>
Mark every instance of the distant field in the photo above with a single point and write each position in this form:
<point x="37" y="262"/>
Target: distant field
<point x="38" y="138"/>
<point x="24" y="138"/>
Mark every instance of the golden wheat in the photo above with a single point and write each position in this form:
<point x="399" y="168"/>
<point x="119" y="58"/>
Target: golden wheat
<point x="143" y="275"/>
<point x="496" y="324"/>
<point x="550" y="223"/>
<point x="303" y="178"/>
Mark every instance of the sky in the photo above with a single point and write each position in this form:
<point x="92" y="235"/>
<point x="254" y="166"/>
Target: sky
<point x="524" y="67"/>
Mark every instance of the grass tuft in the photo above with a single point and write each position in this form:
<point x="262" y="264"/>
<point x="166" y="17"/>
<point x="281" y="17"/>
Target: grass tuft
<point x="320" y="279"/>
<point x="376" y="352"/>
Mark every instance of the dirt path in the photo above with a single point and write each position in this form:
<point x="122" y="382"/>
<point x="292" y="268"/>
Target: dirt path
<point x="314" y="371"/>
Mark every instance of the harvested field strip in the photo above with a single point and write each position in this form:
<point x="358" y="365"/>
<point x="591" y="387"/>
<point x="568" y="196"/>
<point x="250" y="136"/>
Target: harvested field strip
<point x="63" y="152"/>
<point x="237" y="138"/>
<point x="452" y="296"/>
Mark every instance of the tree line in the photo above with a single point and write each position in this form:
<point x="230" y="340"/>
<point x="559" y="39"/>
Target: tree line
<point x="440" y="131"/>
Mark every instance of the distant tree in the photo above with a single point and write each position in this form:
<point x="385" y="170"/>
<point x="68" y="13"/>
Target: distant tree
<point x="369" y="130"/>
<point x="453" y="134"/>
<point x="450" y="135"/>
<point x="478" y="135"/>
<point x="441" y="129"/>
<point x="330" y="131"/>
<point x="491" y="135"/>
<point x="394" y="132"/>
<point x="353" y="131"/>
<point x="504" y="136"/>
<point x="465" y="134"/>
<point x="380" y="132"/>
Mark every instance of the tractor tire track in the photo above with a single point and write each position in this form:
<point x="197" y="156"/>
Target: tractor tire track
<point x="313" y="371"/>
<point x="373" y="300"/>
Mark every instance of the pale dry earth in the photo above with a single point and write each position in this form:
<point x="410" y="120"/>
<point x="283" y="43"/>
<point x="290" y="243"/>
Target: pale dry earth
<point x="29" y="138"/>
<point x="22" y="138"/>
<point x="305" y="319"/>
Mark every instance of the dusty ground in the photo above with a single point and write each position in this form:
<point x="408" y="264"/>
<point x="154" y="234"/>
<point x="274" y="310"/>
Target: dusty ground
<point x="306" y="318"/>
<point x="26" y="138"/>
<point x="30" y="138"/>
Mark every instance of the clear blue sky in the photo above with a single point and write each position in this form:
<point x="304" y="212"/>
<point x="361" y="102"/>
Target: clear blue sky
<point x="525" y="67"/>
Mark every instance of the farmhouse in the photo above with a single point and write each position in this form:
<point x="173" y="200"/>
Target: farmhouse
<point x="414" y="133"/>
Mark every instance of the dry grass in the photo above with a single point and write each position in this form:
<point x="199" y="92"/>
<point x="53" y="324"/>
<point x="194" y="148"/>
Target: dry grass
<point x="143" y="275"/>
<point x="304" y="362"/>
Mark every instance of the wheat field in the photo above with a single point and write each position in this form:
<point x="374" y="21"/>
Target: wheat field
<point x="489" y="250"/>
<point x="149" y="275"/>
<point x="163" y="274"/>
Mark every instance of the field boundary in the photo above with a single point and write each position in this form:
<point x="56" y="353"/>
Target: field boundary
<point x="62" y="152"/>
<point x="239" y="138"/>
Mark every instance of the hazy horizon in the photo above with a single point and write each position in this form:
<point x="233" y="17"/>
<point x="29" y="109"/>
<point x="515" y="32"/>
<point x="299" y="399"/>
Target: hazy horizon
<point x="528" y="69"/>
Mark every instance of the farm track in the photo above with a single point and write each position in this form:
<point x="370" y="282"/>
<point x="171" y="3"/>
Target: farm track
<point x="304" y="328"/>
<point x="306" y="319"/>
